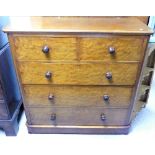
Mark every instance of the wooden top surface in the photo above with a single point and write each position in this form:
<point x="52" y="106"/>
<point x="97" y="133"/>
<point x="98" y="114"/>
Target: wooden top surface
<point x="118" y="25"/>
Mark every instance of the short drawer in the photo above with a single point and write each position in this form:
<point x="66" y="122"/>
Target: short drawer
<point x="3" y="111"/>
<point x="78" y="73"/>
<point x="78" y="116"/>
<point x="111" y="48"/>
<point x="45" y="48"/>
<point x="37" y="95"/>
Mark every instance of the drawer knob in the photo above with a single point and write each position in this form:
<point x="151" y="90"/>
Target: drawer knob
<point x="103" y="118"/>
<point x="109" y="75"/>
<point x="51" y="97"/>
<point x="106" y="97"/>
<point x="48" y="75"/>
<point x="45" y="49"/>
<point x="53" y="116"/>
<point x="111" y="50"/>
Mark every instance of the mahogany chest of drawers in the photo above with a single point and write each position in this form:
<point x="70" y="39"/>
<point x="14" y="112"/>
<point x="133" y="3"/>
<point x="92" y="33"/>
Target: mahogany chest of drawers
<point x="79" y="74"/>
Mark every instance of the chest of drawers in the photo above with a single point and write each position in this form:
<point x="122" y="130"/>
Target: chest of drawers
<point x="78" y="74"/>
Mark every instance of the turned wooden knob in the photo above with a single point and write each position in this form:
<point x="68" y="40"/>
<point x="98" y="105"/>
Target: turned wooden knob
<point x="106" y="97"/>
<point x="109" y="75"/>
<point x="111" y="50"/>
<point x="53" y="116"/>
<point x="45" y="49"/>
<point x="51" y="97"/>
<point x="48" y="75"/>
<point x="103" y="118"/>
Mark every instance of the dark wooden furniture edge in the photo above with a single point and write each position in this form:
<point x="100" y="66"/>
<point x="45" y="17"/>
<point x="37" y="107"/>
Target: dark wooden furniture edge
<point x="42" y="129"/>
<point x="11" y="126"/>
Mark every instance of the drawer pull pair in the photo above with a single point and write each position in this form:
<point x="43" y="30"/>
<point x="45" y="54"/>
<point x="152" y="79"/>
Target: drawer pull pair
<point x="46" y="50"/>
<point x="105" y="97"/>
<point x="102" y="116"/>
<point x="48" y="75"/>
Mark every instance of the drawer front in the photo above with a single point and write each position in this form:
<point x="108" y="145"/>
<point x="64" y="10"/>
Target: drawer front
<point x="3" y="110"/>
<point x="78" y="74"/>
<point x="78" y="116"/>
<point x="31" y="48"/>
<point x="125" y="48"/>
<point x="77" y="96"/>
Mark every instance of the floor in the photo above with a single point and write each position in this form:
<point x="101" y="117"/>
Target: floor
<point x="140" y="140"/>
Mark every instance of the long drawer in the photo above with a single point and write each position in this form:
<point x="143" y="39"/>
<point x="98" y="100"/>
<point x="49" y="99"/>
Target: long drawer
<point x="78" y="116"/>
<point x="78" y="73"/>
<point x="43" y="95"/>
<point x="127" y="48"/>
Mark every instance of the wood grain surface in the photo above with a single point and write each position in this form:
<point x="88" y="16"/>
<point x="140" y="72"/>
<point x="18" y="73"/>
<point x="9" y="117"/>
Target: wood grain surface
<point x="78" y="116"/>
<point x="126" y="48"/>
<point x="37" y="95"/>
<point x="81" y="48"/>
<point x="115" y="25"/>
<point x="144" y="19"/>
<point x="78" y="73"/>
<point x="78" y="60"/>
<point x="30" y="48"/>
